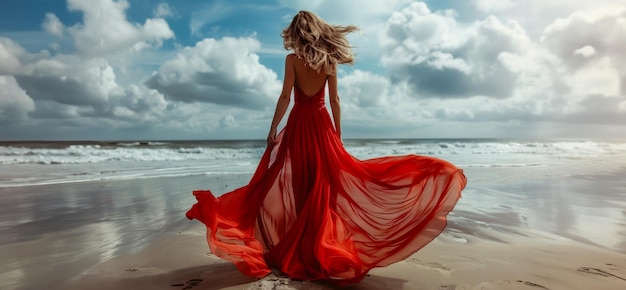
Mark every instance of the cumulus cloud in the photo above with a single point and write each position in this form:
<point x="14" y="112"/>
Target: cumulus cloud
<point x="40" y="85"/>
<point x="372" y="104"/>
<point x="67" y="86"/>
<point x="15" y="58"/>
<point x="535" y="15"/>
<point x="82" y="90"/>
<point x="492" y="71"/>
<point x="440" y="57"/>
<point x="365" y="89"/>
<point x="138" y="99"/>
<point x="577" y="42"/>
<point x="105" y="28"/>
<point x="15" y="104"/>
<point x="53" y="25"/>
<point x="220" y="71"/>
<point x="9" y="56"/>
<point x="70" y="80"/>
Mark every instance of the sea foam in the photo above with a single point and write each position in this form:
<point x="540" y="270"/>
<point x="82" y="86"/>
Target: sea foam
<point x="162" y="151"/>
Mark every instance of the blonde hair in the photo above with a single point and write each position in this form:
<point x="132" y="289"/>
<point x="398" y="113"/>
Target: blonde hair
<point x="320" y="44"/>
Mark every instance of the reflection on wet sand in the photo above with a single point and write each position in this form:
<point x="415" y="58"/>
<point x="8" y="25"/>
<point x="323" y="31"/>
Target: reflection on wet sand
<point x="52" y="233"/>
<point x="584" y="208"/>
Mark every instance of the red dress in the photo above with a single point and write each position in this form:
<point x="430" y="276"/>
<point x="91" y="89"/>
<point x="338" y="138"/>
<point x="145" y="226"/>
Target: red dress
<point x="314" y="212"/>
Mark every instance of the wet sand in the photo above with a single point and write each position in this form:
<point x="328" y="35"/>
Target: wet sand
<point x="564" y="232"/>
<point x="52" y="233"/>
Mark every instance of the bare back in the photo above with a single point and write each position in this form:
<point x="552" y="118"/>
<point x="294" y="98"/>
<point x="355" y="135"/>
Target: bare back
<point x="310" y="82"/>
<point x="307" y="79"/>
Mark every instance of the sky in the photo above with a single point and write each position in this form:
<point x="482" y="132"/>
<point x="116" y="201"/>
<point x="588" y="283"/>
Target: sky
<point x="165" y="70"/>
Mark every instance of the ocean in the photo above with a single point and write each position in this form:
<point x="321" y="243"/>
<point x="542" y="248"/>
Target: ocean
<point x="27" y="163"/>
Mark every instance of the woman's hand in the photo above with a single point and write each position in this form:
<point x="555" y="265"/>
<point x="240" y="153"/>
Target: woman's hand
<point x="271" y="137"/>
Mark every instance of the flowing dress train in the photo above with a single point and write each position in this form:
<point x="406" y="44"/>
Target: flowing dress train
<point x="314" y="212"/>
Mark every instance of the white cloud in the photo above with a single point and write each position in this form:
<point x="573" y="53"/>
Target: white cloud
<point x="372" y="104"/>
<point x="441" y="60"/>
<point x="105" y="28"/>
<point x="535" y="15"/>
<point x="163" y="10"/>
<point x="585" y="51"/>
<point x="71" y="80"/>
<point x="53" y="25"/>
<point x="69" y="86"/>
<point x="365" y="89"/>
<point x="603" y="33"/>
<point x="597" y="78"/>
<point x="140" y="100"/>
<point x="83" y="91"/>
<point x="220" y="71"/>
<point x="15" y="59"/>
<point x="9" y="52"/>
<point x="491" y="6"/>
<point x="494" y="70"/>
<point x="591" y="47"/>
<point x="440" y="57"/>
<point x="15" y="104"/>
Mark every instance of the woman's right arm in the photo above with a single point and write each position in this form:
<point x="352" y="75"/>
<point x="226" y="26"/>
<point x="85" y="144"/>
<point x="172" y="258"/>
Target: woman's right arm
<point x="335" y="107"/>
<point x="283" y="100"/>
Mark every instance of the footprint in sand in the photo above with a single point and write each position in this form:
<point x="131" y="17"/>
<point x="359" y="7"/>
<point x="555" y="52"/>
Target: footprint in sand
<point x="189" y="284"/>
<point x="600" y="272"/>
<point x="532" y="284"/>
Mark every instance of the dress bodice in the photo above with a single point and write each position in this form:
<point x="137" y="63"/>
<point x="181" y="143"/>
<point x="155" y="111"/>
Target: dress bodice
<point x="315" y="101"/>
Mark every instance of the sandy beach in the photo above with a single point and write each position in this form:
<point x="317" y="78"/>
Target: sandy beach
<point x="554" y="232"/>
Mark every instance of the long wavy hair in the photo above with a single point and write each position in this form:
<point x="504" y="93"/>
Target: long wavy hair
<point x="320" y="44"/>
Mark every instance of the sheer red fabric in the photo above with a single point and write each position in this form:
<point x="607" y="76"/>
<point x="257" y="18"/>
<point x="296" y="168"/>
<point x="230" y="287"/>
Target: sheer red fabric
<point x="314" y="212"/>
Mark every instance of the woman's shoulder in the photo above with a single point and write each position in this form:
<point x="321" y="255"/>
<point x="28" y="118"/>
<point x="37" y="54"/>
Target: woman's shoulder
<point x="291" y="58"/>
<point x="295" y="59"/>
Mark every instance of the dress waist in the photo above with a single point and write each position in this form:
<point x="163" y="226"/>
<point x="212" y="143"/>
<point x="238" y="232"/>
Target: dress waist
<point x="310" y="104"/>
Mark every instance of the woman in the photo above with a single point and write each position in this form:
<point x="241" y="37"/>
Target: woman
<point x="311" y="210"/>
